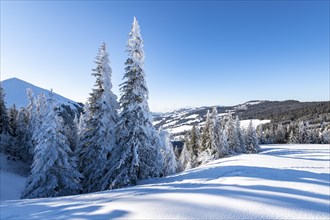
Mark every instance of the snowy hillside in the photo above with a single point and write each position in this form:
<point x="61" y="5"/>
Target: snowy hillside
<point x="15" y="90"/>
<point x="182" y="120"/>
<point x="282" y="182"/>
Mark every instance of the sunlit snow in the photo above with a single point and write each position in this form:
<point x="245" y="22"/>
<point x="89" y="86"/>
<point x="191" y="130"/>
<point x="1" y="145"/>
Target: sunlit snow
<point x="281" y="182"/>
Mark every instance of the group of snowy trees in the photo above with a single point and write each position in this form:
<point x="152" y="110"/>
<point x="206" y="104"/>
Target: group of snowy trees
<point x="217" y="138"/>
<point x="294" y="133"/>
<point x="112" y="145"/>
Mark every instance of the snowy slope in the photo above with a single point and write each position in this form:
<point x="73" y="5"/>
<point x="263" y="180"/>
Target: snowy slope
<point x="12" y="178"/>
<point x="178" y="122"/>
<point x="282" y="182"/>
<point x="15" y="90"/>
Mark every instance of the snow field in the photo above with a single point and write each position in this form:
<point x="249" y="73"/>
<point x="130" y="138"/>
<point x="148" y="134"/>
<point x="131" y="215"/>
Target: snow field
<point x="12" y="182"/>
<point x="282" y="182"/>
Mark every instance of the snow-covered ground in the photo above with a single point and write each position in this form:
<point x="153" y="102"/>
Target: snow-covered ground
<point x="282" y="182"/>
<point x="12" y="180"/>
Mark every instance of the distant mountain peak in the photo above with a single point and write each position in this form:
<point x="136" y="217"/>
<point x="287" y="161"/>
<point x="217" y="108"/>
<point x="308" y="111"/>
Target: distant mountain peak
<point x="15" y="93"/>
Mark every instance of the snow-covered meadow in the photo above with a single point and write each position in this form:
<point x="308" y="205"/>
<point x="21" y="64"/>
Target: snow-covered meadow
<point x="281" y="182"/>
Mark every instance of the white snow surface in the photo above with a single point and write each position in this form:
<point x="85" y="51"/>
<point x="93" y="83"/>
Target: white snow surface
<point x="179" y="129"/>
<point x="281" y="182"/>
<point x="12" y="180"/>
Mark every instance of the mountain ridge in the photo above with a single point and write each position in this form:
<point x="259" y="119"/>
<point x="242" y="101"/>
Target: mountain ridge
<point x="15" y="93"/>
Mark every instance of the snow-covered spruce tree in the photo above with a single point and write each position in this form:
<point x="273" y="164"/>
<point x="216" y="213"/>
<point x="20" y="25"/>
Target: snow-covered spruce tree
<point x="97" y="137"/>
<point x="54" y="172"/>
<point x="292" y="137"/>
<point x="3" y="112"/>
<point x="23" y="135"/>
<point x="251" y="140"/>
<point x="233" y="139"/>
<point x="13" y="147"/>
<point x="220" y="137"/>
<point x="195" y="144"/>
<point x="137" y="155"/>
<point x="240" y="134"/>
<point x="303" y="133"/>
<point x="280" y="134"/>
<point x="261" y="134"/>
<point x="224" y="147"/>
<point x="314" y="136"/>
<point x="269" y="135"/>
<point x="185" y="159"/>
<point x="325" y="137"/>
<point x="170" y="164"/>
<point x="216" y="150"/>
<point x="189" y="153"/>
<point x="29" y="116"/>
<point x="4" y="136"/>
<point x="37" y="115"/>
<point x="207" y="140"/>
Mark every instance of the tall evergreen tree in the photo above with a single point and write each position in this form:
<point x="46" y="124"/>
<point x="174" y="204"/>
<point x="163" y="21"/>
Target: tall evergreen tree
<point x="97" y="138"/>
<point x="54" y="171"/>
<point x="137" y="155"/>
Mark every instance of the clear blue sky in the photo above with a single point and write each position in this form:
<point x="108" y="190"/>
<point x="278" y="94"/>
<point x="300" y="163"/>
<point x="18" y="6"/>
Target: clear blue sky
<point x="197" y="52"/>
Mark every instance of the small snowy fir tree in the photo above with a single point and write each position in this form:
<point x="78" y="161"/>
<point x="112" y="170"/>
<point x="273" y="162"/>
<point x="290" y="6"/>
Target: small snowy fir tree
<point x="280" y="134"/>
<point x="269" y="135"/>
<point x="216" y="149"/>
<point x="4" y="136"/>
<point x="23" y="135"/>
<point x="137" y="155"/>
<point x="261" y="134"/>
<point x="186" y="155"/>
<point x="207" y="148"/>
<point x="292" y="137"/>
<point x="224" y="147"/>
<point x="303" y="133"/>
<point x="189" y="153"/>
<point x="3" y="112"/>
<point x="233" y="139"/>
<point x="194" y="142"/>
<point x="170" y="164"/>
<point x="54" y="171"/>
<point x="242" y="147"/>
<point x="13" y="147"/>
<point x="325" y="137"/>
<point x="97" y="137"/>
<point x="252" y="145"/>
<point x="220" y="138"/>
